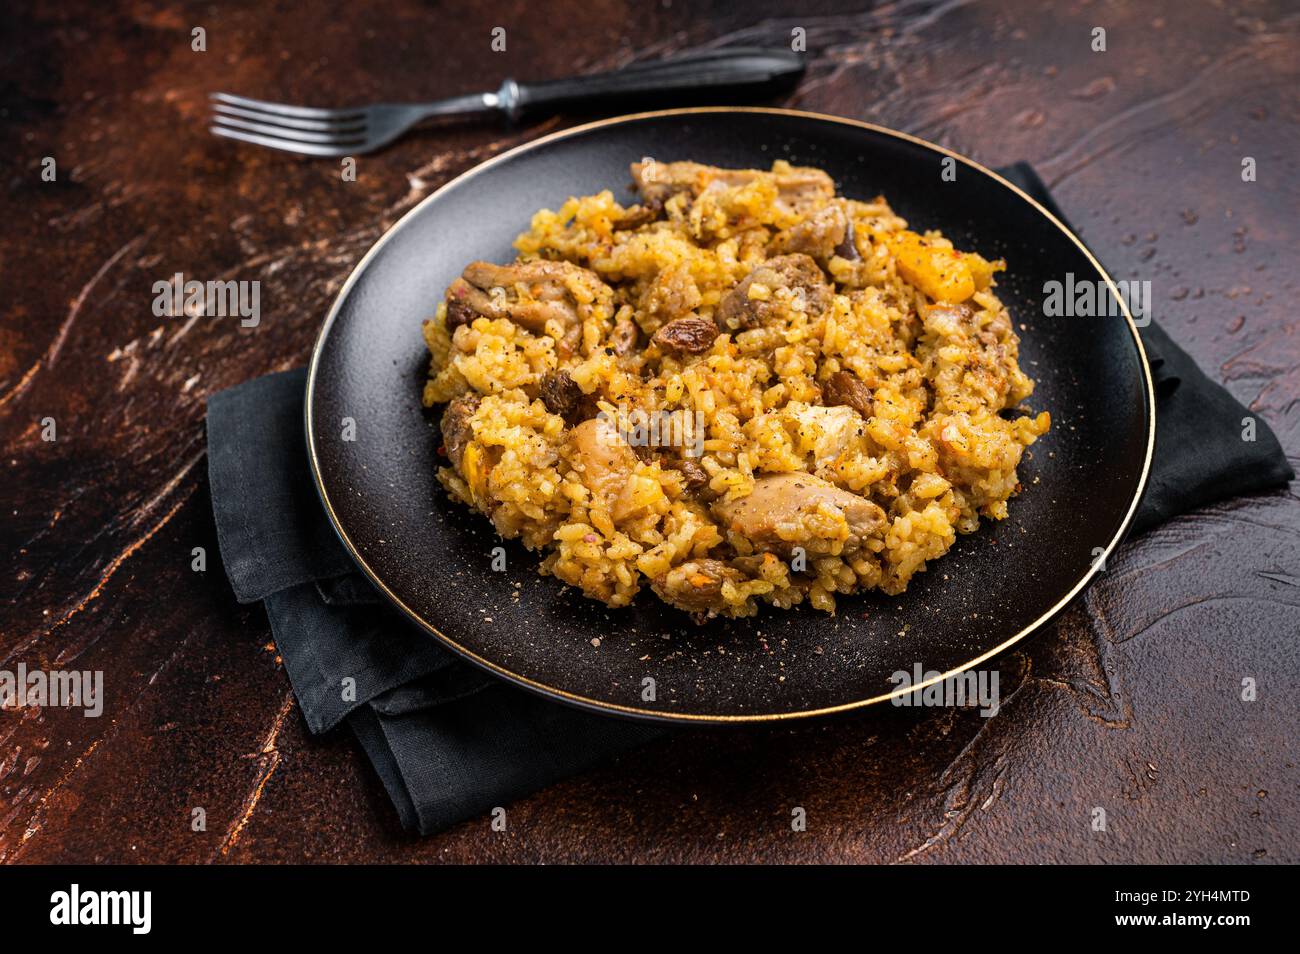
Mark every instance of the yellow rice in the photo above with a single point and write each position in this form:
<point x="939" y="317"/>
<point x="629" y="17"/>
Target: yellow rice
<point x="915" y="321"/>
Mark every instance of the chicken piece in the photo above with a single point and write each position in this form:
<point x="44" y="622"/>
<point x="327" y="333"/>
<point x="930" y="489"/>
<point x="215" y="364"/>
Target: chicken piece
<point x="798" y="188"/>
<point x="635" y="216"/>
<point x="822" y="235"/>
<point x="603" y="456"/>
<point x="785" y="511"/>
<point x="696" y="586"/>
<point x="456" y="429"/>
<point x="530" y="294"/>
<point x="608" y="465"/>
<point x="657" y="182"/>
<point x="801" y="189"/>
<point x="472" y="461"/>
<point x="823" y="432"/>
<point x="742" y="308"/>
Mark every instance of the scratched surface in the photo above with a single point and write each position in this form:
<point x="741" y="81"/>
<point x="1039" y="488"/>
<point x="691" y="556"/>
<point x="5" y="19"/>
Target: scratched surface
<point x="1132" y="703"/>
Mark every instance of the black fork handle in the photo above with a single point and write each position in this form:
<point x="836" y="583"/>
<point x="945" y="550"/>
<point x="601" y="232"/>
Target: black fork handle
<point x="714" y="73"/>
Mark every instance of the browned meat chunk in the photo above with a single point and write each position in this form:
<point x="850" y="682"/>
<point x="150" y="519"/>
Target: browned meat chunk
<point x="842" y="388"/>
<point x="803" y="188"/>
<point x="636" y="216"/>
<point x="545" y="293"/>
<point x="657" y="182"/>
<point x="696" y="586"/>
<point x="797" y="272"/>
<point x="819" y="235"/>
<point x="456" y="430"/>
<point x="775" y="516"/>
<point x="528" y="293"/>
<point x="690" y="335"/>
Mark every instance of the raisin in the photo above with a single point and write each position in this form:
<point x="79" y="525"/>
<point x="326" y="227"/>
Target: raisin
<point x="848" y="249"/>
<point x="459" y="313"/>
<point x="696" y="476"/>
<point x="560" y="393"/>
<point x="624" y="336"/>
<point x="690" y="335"/>
<point x="562" y="396"/>
<point x="456" y="429"/>
<point x="843" y="388"/>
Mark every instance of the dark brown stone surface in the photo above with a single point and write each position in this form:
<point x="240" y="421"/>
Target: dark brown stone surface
<point x="1131" y="703"/>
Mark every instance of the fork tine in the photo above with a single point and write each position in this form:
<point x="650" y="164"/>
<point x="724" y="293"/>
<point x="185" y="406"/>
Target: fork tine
<point x="280" y="109"/>
<point x="288" y="122"/>
<point x="302" y="148"/>
<point x="341" y="138"/>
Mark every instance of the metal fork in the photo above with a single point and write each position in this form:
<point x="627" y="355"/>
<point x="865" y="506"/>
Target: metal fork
<point x="361" y="129"/>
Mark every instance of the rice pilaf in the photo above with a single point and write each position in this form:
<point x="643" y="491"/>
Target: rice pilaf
<point x="742" y="389"/>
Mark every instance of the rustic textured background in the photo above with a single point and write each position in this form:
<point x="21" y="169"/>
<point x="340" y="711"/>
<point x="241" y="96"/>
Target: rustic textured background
<point x="1131" y="703"/>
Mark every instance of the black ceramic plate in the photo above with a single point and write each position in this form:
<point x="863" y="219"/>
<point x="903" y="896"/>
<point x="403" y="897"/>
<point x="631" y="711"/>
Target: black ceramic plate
<point x="433" y="557"/>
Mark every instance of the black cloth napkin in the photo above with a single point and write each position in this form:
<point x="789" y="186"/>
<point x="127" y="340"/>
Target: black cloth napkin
<point x="1200" y="456"/>
<point x="449" y="741"/>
